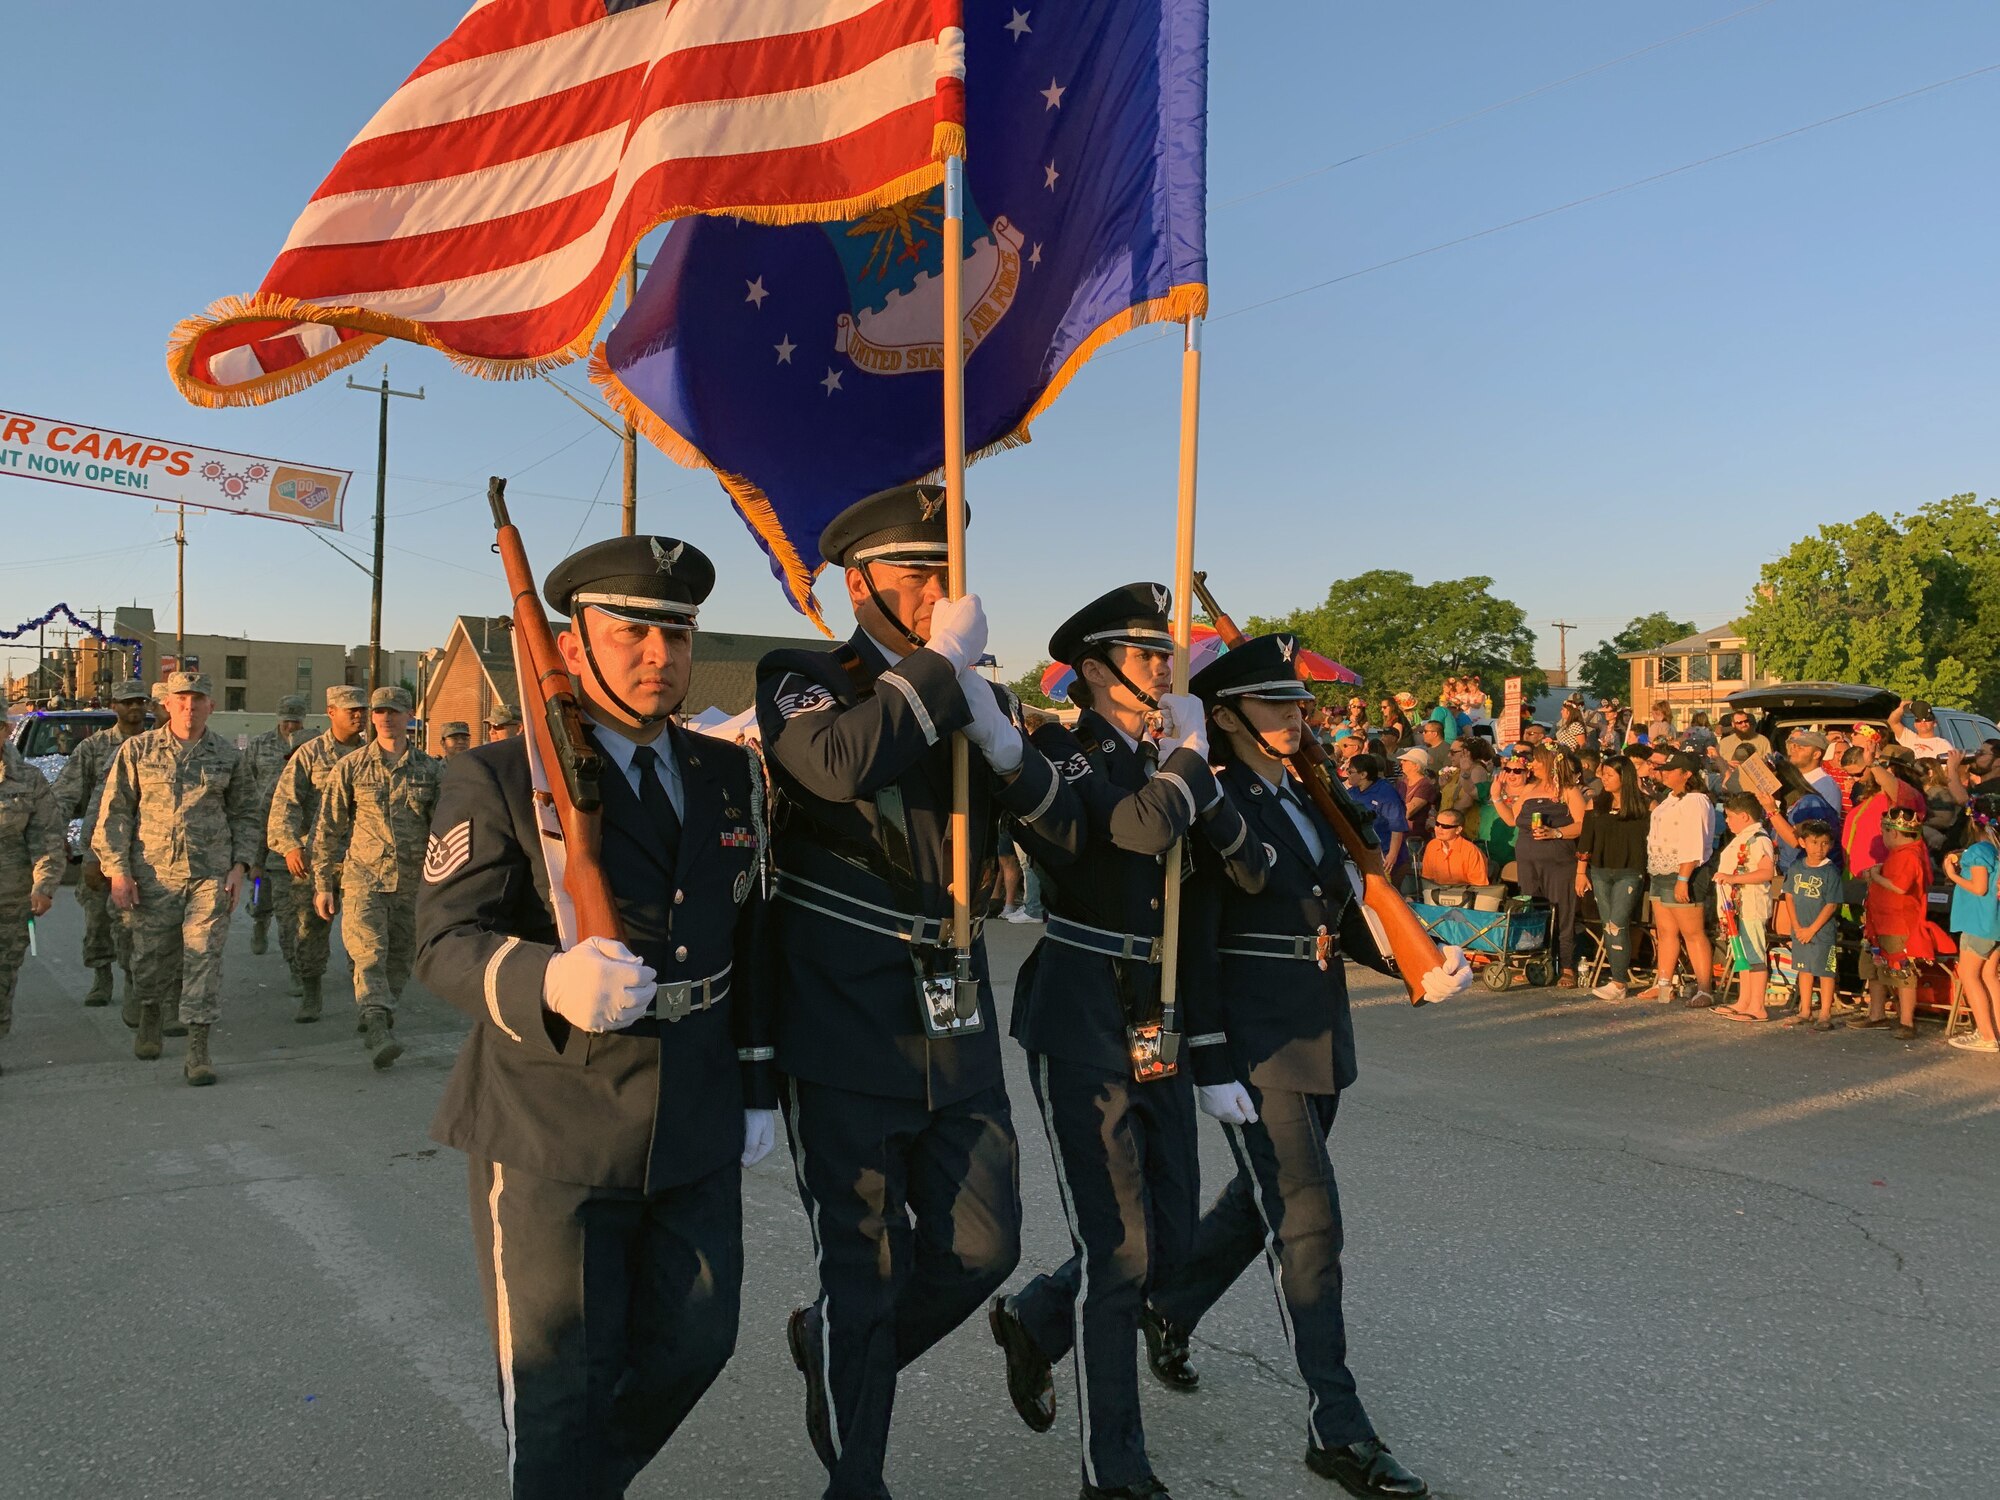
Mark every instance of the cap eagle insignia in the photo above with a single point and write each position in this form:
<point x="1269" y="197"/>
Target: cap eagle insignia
<point x="666" y="557"/>
<point x="931" y="505"/>
<point x="1162" y="599"/>
<point x="1285" y="647"/>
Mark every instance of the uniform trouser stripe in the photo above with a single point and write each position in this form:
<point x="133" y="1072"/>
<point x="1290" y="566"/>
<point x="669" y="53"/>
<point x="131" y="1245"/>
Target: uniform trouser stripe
<point x="503" y="1322"/>
<point x="1273" y="1257"/>
<point x="819" y="1264"/>
<point x="1083" y="1271"/>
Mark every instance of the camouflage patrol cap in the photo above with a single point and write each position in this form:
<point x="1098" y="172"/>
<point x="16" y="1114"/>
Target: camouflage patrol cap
<point x="502" y="715"/>
<point x="346" y="697"/>
<point x="456" y="727"/>
<point x="292" y="706"/>
<point x="129" y="691"/>
<point x="189" y="682"/>
<point x="389" y="697"/>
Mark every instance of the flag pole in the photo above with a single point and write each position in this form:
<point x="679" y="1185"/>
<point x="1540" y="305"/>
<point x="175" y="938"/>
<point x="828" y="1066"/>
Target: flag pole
<point x="1183" y="629"/>
<point x="954" y="486"/>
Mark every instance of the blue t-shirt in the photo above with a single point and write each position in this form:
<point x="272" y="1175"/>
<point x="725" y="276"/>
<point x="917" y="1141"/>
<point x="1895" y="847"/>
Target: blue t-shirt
<point x="1446" y="720"/>
<point x="1383" y="800"/>
<point x="1804" y="810"/>
<point x="1812" y="889"/>
<point x="1977" y="916"/>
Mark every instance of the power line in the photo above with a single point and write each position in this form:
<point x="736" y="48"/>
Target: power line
<point x="1533" y="93"/>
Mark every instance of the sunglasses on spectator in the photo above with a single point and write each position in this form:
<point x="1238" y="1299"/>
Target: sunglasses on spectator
<point x="1448" y="827"/>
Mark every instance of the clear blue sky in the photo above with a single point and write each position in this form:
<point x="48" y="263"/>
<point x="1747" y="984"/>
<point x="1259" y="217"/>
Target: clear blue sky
<point x="1624" y="407"/>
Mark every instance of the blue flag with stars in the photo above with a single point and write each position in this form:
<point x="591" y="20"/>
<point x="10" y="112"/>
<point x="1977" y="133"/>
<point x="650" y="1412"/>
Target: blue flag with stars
<point x="803" y="363"/>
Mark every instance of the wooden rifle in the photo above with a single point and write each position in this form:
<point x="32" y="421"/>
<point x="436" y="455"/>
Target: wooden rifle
<point x="1411" y="947"/>
<point x="550" y="714"/>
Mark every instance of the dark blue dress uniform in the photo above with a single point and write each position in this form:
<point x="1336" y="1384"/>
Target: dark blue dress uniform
<point x="1125" y="1151"/>
<point x="1268" y="1008"/>
<point x="605" y="1168"/>
<point x="888" y="1123"/>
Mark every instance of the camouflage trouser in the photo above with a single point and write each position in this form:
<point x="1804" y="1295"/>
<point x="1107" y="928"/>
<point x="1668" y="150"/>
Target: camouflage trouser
<point x="177" y="937"/>
<point x="13" y="950"/>
<point x="105" y="940"/>
<point x="280" y="898"/>
<point x="380" y="930"/>
<point x="312" y="938"/>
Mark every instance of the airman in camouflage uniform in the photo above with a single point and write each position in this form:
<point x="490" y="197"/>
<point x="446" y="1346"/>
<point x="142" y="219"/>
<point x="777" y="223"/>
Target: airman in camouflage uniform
<point x="32" y="856"/>
<point x="368" y="860"/>
<point x="288" y="829"/>
<point x="78" y="787"/>
<point x="176" y="832"/>
<point x="455" y="737"/>
<point x="504" y="725"/>
<point x="267" y="754"/>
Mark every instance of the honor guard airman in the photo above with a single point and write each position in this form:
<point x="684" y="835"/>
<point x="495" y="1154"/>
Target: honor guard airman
<point x="288" y="831"/>
<point x="78" y="788"/>
<point x="267" y="754"/>
<point x="1272" y="1048"/>
<point x="368" y="854"/>
<point x="895" y="1105"/>
<point x="504" y="724"/>
<point x="454" y="738"/>
<point x="1103" y="1054"/>
<point x="176" y="833"/>
<point x="610" y="1093"/>
<point x="33" y="853"/>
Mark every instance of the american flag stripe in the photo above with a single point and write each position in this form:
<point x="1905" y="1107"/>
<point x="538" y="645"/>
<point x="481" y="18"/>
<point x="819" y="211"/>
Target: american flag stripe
<point x="487" y="208"/>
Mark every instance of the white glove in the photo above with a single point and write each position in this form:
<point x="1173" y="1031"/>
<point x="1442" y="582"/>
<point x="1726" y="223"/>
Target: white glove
<point x="760" y="1134"/>
<point x="958" y="631"/>
<point x="991" y="730"/>
<point x="1227" y="1102"/>
<point x="1450" y="977"/>
<point x="599" y="985"/>
<point x="1182" y="725"/>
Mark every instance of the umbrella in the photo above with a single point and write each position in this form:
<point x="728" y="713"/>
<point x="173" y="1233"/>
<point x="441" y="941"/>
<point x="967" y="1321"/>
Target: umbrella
<point x="1206" y="646"/>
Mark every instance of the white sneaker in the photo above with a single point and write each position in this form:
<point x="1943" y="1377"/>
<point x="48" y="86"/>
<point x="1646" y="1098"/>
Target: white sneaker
<point x="1972" y="1041"/>
<point x="1013" y="913"/>
<point x="1610" y="990"/>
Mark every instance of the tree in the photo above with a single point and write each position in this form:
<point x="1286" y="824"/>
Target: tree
<point x="1400" y="634"/>
<point x="1605" y="672"/>
<point x="1909" y="603"/>
<point x="1028" y="687"/>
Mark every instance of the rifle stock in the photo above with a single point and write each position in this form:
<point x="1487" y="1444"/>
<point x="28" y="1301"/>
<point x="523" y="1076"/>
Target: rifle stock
<point x="1411" y="947"/>
<point x="549" y="713"/>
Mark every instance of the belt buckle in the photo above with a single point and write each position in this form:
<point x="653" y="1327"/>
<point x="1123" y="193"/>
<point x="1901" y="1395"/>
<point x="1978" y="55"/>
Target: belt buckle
<point x="674" y="1001"/>
<point x="1322" y="947"/>
<point x="1151" y="954"/>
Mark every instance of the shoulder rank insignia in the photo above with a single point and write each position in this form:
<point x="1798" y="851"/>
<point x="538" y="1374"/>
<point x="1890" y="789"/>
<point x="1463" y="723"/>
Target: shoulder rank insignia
<point x="447" y="853"/>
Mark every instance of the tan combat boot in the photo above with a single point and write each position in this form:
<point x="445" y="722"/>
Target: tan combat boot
<point x="146" y="1046"/>
<point x="378" y="1038"/>
<point x="198" y="1069"/>
<point x="130" y="1014"/>
<point x="260" y="935"/>
<point x="171" y="1023"/>
<point x="100" y="986"/>
<point x="308" y="1002"/>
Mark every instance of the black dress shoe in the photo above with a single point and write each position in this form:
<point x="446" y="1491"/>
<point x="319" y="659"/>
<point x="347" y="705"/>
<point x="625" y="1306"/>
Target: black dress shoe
<point x="1031" y="1383"/>
<point x="1365" y="1468"/>
<point x="1167" y="1351"/>
<point x="1148" y="1488"/>
<point x="802" y="1335"/>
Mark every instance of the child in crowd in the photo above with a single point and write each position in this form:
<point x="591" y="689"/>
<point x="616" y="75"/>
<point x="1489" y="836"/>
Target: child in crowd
<point x="1812" y="894"/>
<point x="1896" y="927"/>
<point x="1975" y="917"/>
<point x="1743" y="875"/>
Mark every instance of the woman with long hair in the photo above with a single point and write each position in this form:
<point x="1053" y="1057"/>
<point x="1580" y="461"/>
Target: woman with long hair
<point x="1537" y="795"/>
<point x="1611" y="864"/>
<point x="1889" y="783"/>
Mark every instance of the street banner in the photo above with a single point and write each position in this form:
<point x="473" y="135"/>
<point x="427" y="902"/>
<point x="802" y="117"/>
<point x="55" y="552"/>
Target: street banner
<point x="1510" y="714"/>
<point x="96" y="458"/>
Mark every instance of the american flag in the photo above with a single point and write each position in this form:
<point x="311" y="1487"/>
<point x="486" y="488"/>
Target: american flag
<point x="489" y="206"/>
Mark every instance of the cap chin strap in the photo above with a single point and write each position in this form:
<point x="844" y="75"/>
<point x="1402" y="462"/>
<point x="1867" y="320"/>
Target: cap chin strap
<point x="874" y="596"/>
<point x="604" y="686"/>
<point x="1103" y="655"/>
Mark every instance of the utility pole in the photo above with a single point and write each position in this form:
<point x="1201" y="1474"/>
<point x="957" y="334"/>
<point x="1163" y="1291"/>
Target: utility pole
<point x="1563" y="628"/>
<point x="630" y="521"/>
<point x="180" y="590"/>
<point x="381" y="515"/>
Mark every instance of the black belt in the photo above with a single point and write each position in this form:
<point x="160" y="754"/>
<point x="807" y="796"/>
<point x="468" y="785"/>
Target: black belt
<point x="1121" y="945"/>
<point x="1311" y="947"/>
<point x="931" y="932"/>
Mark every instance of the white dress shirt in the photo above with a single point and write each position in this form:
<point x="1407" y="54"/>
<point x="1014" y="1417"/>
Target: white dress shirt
<point x="621" y="749"/>
<point x="1289" y="801"/>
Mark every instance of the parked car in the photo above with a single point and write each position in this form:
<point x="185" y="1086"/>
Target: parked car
<point x="46" y="737"/>
<point x="1786" y="706"/>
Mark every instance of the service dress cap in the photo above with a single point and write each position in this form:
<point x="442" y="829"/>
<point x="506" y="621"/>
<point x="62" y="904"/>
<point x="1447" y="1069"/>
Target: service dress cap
<point x="503" y="714"/>
<point x="389" y="697"/>
<point x="648" y="580"/>
<point x="345" y="697"/>
<point x="454" y="727"/>
<point x="189" y="682"/>
<point x="1134" y="614"/>
<point x="292" y="706"/>
<point x="905" y="525"/>
<point x="129" y="691"/>
<point x="1265" y="666"/>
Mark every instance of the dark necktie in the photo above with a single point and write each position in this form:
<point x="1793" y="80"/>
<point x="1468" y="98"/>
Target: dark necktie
<point x="658" y="805"/>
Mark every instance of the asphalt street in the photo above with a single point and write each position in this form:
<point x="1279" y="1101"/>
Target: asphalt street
<point x="1593" y="1250"/>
